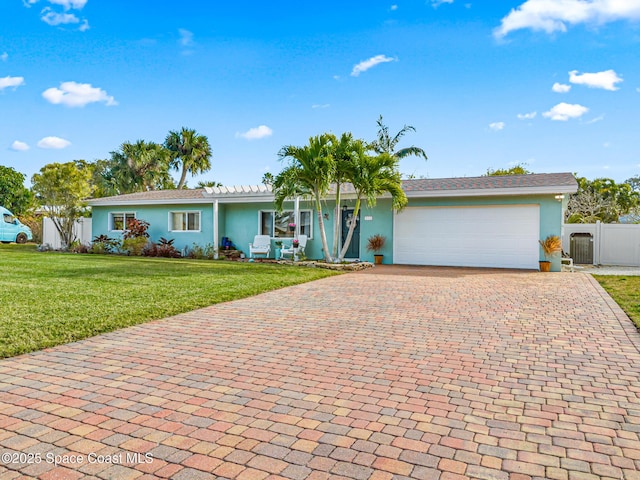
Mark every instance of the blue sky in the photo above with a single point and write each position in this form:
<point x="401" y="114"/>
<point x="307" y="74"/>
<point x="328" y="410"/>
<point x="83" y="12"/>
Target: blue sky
<point x="554" y="84"/>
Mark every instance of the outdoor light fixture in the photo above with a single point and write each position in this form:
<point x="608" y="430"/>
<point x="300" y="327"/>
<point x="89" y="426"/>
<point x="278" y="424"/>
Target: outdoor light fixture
<point x="559" y="197"/>
<point x="344" y="208"/>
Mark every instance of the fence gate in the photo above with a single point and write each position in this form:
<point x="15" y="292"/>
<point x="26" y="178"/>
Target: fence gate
<point x="581" y="249"/>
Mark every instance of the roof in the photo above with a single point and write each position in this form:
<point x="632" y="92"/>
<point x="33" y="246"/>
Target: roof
<point x="493" y="185"/>
<point x="534" y="183"/>
<point x="198" y="195"/>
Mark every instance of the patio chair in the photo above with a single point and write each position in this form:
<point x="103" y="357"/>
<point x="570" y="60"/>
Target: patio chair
<point x="261" y="246"/>
<point x="567" y="262"/>
<point x="288" y="251"/>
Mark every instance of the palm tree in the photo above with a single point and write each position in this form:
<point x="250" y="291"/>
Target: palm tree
<point x="140" y="166"/>
<point x="385" y="143"/>
<point x="189" y="151"/>
<point x="208" y="183"/>
<point x="344" y="153"/>
<point x="372" y="176"/>
<point x="308" y="174"/>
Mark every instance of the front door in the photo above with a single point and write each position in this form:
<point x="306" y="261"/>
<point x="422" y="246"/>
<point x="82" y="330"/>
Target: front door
<point x="354" y="247"/>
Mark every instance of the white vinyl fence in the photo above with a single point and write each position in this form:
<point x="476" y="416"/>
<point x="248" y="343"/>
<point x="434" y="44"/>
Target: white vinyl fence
<point x="50" y="235"/>
<point x="608" y="243"/>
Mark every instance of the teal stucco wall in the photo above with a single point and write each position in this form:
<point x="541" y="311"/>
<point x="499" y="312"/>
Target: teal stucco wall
<point x="240" y="221"/>
<point x="158" y="218"/>
<point x="550" y="212"/>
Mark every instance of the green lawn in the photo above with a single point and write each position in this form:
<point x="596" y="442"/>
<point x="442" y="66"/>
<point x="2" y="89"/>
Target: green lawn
<point x="625" y="291"/>
<point x="53" y="298"/>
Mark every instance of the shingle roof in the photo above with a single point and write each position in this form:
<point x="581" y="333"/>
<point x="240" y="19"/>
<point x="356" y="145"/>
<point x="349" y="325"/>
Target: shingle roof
<point x="532" y="180"/>
<point x="556" y="182"/>
<point x="168" y="195"/>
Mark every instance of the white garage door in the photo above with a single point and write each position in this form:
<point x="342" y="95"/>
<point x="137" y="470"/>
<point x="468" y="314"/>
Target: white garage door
<point x="488" y="236"/>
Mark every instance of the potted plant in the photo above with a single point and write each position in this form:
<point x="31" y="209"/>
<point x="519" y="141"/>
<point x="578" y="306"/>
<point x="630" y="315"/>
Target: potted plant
<point x="375" y="244"/>
<point x="551" y="246"/>
<point x="292" y="227"/>
<point x="295" y="244"/>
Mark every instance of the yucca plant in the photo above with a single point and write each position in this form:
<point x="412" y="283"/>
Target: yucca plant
<point x="551" y="246"/>
<point x="375" y="243"/>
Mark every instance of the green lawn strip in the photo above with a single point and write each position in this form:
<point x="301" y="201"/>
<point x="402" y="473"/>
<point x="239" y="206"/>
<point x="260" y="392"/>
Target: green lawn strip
<point x="625" y="290"/>
<point x="53" y="298"/>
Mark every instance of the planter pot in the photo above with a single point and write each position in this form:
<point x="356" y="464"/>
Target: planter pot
<point x="545" y="266"/>
<point x="377" y="259"/>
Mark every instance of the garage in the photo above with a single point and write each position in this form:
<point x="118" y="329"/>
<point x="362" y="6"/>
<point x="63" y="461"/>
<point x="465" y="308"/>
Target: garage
<point x="499" y="236"/>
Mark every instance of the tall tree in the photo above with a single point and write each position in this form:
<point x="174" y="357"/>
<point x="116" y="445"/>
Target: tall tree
<point x="601" y="199"/>
<point x="139" y="167"/>
<point x="190" y="152"/>
<point x="387" y="143"/>
<point x="14" y="195"/>
<point x="518" y="169"/>
<point x="61" y="189"/>
<point x="634" y="183"/>
<point x="308" y="174"/>
<point x="372" y="176"/>
<point x="345" y="152"/>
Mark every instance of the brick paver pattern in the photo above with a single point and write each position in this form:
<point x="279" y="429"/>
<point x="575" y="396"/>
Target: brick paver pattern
<point x="391" y="373"/>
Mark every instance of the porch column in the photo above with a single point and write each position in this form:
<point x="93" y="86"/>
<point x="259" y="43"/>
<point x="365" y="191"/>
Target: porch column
<point x="296" y="217"/>
<point x="215" y="228"/>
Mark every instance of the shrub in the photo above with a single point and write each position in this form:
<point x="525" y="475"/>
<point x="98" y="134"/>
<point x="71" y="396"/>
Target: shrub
<point x="198" y="252"/>
<point x="134" y="245"/>
<point x="77" y="247"/>
<point x="164" y="248"/>
<point x="103" y="244"/>
<point x="136" y="228"/>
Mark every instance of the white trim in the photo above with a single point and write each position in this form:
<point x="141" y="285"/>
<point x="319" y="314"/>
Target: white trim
<point x="297" y="229"/>
<point x="216" y="232"/>
<point x="124" y="219"/>
<point x="491" y="192"/>
<point x="187" y="212"/>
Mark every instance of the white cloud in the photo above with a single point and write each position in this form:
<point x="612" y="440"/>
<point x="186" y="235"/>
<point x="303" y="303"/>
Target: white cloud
<point x="595" y="120"/>
<point x="323" y="105"/>
<point x="54" y="18"/>
<point x="437" y="3"/>
<point x="370" y="63"/>
<point x="13" y="82"/>
<point x="256" y="133"/>
<point x="527" y="116"/>
<point x="66" y="4"/>
<point x="560" y="87"/>
<point x="74" y="94"/>
<point x="4" y="56"/>
<point x="606" y="80"/>
<point x="69" y="4"/>
<point x="565" y="111"/>
<point x="85" y="25"/>
<point x="393" y="7"/>
<point x="497" y="126"/>
<point x="54" y="142"/>
<point x="186" y="37"/>
<point x="554" y="15"/>
<point x="19" y="146"/>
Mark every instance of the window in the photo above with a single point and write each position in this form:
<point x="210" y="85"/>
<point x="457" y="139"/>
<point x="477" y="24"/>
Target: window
<point x="184" y="221"/>
<point x="276" y="224"/>
<point x="118" y="220"/>
<point x="9" y="218"/>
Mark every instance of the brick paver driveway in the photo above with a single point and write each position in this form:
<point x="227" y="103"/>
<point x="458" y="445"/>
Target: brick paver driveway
<point x="400" y="372"/>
